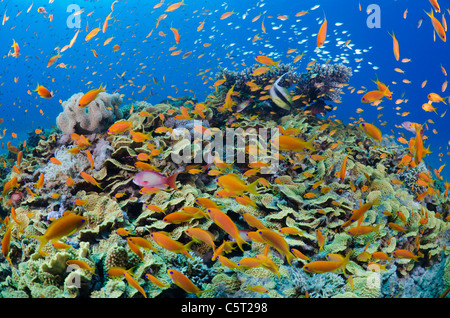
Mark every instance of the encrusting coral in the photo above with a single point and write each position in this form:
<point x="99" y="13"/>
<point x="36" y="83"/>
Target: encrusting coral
<point x="343" y="200"/>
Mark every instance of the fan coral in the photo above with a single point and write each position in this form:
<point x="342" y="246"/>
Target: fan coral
<point x="95" y="117"/>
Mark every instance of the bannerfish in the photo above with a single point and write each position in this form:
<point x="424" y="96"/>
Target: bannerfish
<point x="280" y="95"/>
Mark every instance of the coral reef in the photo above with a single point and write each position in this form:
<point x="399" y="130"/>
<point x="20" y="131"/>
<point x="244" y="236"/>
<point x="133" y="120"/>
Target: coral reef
<point x="95" y="117"/>
<point x="298" y="216"/>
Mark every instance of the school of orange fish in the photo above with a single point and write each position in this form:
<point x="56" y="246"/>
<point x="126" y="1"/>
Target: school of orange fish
<point x="232" y="184"/>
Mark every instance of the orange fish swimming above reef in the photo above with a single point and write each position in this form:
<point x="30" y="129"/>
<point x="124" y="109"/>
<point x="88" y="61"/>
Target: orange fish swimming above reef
<point x="90" y="96"/>
<point x="66" y="225"/>
<point x="119" y="127"/>
<point x="232" y="183"/>
<point x="371" y="131"/>
<point x="43" y="92"/>
<point x="291" y="143"/>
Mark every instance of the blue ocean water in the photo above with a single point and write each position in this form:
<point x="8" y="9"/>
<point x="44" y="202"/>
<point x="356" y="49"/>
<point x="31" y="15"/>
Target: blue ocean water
<point x="152" y="71"/>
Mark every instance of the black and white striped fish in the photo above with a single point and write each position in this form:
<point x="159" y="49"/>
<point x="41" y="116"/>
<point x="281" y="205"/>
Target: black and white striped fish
<point x="280" y="95"/>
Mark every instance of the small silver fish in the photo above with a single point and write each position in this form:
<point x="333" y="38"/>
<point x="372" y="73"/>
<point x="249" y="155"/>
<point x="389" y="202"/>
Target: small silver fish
<point x="419" y="23"/>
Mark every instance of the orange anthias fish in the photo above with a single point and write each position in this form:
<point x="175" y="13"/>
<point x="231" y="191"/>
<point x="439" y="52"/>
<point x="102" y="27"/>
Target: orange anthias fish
<point x="92" y="34"/>
<point x="90" y="96"/>
<point x="184" y="283"/>
<point x="6" y="242"/>
<point x="343" y="169"/>
<point x="321" y="36"/>
<point x="437" y="26"/>
<point x="371" y="131"/>
<point x="327" y="266"/>
<point x="291" y="143"/>
<point x="134" y="283"/>
<point x="81" y="264"/>
<point x="225" y="223"/>
<point x="372" y="96"/>
<point x="435" y="5"/>
<point x="276" y="241"/>
<point x="53" y="59"/>
<point x="40" y="181"/>
<point x="16" y="48"/>
<point x="383" y="88"/>
<point x="395" y="46"/>
<point x="90" y="179"/>
<point x="119" y="127"/>
<point x="156" y="281"/>
<point x="43" y="92"/>
<point x="232" y="183"/>
<point x="176" y="35"/>
<point x="400" y="253"/>
<point x="419" y="151"/>
<point x="142" y="242"/>
<point x="226" y="15"/>
<point x="174" y="6"/>
<point x="266" y="60"/>
<point x="66" y="225"/>
<point x="359" y="213"/>
<point x="171" y="245"/>
<point x="201" y="236"/>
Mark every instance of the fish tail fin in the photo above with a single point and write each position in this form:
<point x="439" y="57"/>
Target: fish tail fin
<point x="240" y="241"/>
<point x="377" y="228"/>
<point x="171" y="181"/>
<point x="252" y="187"/>
<point x="377" y="201"/>
<point x="276" y="64"/>
<point x="310" y="144"/>
<point x="290" y="257"/>
<point x="41" y="239"/>
<point x="186" y="248"/>
<point x="186" y="253"/>
<point x="429" y="14"/>
<point x="419" y="255"/>
<point x="345" y="262"/>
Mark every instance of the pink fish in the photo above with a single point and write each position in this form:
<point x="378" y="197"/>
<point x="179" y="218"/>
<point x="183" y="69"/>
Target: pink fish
<point x="243" y="105"/>
<point x="411" y="127"/>
<point x="154" y="179"/>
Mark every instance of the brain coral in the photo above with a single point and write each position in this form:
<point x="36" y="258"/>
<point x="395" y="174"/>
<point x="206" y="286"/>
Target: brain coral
<point x="95" y="117"/>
